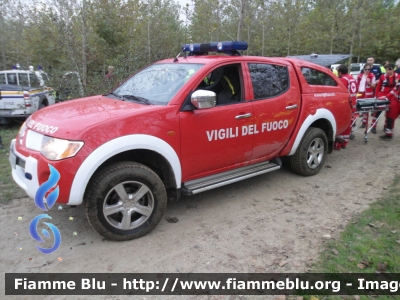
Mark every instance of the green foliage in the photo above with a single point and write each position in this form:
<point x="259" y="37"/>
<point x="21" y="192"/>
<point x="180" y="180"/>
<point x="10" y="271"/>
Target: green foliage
<point x="65" y="35"/>
<point x="8" y="188"/>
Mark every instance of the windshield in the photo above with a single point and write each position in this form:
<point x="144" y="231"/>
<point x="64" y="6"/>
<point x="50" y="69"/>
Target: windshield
<point x="158" y="83"/>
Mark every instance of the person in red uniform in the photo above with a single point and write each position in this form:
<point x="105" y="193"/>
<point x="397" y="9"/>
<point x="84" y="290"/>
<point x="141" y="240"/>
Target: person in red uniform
<point x="350" y="83"/>
<point x="365" y="85"/>
<point x="385" y="84"/>
<point x="393" y="112"/>
<point x="110" y="74"/>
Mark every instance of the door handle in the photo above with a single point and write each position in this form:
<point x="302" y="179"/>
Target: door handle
<point x="291" y="107"/>
<point x="245" y="116"/>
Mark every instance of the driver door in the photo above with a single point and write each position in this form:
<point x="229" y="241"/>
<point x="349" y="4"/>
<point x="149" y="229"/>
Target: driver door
<point x="216" y="139"/>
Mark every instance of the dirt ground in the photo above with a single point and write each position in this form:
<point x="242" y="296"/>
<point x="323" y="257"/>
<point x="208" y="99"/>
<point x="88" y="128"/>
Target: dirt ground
<point x="277" y="222"/>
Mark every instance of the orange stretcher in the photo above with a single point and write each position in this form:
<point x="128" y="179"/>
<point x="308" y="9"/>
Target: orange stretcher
<point x="366" y="106"/>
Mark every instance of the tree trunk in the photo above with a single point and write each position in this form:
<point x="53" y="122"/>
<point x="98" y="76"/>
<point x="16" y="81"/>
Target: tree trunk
<point x="263" y="36"/>
<point x="248" y="39"/>
<point x="357" y="6"/>
<point x="148" y="39"/>
<point x="288" y="28"/>
<point x="84" y="60"/>
<point x="241" y="19"/>
<point x="359" y="43"/>
<point x="332" y="36"/>
<point x="3" y="53"/>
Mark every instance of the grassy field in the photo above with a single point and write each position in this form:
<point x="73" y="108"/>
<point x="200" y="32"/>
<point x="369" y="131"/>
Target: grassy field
<point x="369" y="244"/>
<point x="8" y="188"/>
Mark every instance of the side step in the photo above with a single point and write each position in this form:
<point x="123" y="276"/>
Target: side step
<point x="211" y="182"/>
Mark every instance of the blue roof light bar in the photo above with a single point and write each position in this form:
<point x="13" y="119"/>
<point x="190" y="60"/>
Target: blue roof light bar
<point x="224" y="47"/>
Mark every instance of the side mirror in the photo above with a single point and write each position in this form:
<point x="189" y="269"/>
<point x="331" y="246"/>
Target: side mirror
<point x="204" y="99"/>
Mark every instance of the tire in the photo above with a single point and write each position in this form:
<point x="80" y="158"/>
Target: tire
<point x="311" y="153"/>
<point x="112" y="208"/>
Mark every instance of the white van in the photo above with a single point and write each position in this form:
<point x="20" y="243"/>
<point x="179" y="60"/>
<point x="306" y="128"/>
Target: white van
<point x="355" y="69"/>
<point x="21" y="94"/>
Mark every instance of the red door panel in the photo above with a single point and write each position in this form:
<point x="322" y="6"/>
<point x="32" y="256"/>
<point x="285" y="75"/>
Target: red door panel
<point x="213" y="139"/>
<point x="276" y="107"/>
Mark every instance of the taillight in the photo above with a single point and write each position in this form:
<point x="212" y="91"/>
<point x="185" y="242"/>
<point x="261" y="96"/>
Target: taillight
<point x="27" y="100"/>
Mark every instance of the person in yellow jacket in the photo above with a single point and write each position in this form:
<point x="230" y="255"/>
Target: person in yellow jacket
<point x="335" y="71"/>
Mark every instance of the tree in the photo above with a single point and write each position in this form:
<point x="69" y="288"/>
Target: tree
<point x="87" y="36"/>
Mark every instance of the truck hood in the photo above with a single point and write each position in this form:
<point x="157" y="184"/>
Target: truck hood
<point x="65" y="120"/>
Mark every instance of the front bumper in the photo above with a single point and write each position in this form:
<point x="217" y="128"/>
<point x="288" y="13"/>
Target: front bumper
<point x="24" y="171"/>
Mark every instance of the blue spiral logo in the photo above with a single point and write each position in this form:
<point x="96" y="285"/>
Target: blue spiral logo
<point x="41" y="200"/>
<point x="35" y="235"/>
<point x="45" y="203"/>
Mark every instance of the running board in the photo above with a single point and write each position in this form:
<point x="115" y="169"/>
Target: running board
<point x="211" y="182"/>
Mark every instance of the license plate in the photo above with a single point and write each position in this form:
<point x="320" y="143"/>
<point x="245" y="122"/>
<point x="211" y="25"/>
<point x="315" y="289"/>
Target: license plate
<point x="13" y="159"/>
<point x="5" y="112"/>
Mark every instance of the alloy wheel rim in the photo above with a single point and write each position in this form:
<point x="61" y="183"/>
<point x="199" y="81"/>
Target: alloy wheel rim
<point x="315" y="153"/>
<point x="128" y="205"/>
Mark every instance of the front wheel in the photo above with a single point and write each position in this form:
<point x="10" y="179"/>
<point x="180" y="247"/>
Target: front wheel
<point x="311" y="153"/>
<point x="125" y="200"/>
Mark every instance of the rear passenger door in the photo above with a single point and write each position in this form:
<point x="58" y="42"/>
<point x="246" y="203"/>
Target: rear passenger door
<point x="3" y="79"/>
<point x="276" y="105"/>
<point x="23" y="79"/>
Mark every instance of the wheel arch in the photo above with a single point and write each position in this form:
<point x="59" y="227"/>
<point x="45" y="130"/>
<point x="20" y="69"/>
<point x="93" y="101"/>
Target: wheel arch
<point x="44" y="101"/>
<point x="147" y="150"/>
<point x="322" y="119"/>
<point x="151" y="159"/>
<point x="326" y="126"/>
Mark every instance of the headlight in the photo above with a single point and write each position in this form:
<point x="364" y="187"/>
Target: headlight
<point x="51" y="148"/>
<point x="56" y="149"/>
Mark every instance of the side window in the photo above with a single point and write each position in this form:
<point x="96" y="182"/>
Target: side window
<point x="3" y="79"/>
<point x="34" y="80"/>
<point x="268" y="80"/>
<point x="45" y="77"/>
<point x="23" y="79"/>
<point x="12" y="78"/>
<point x="315" y="77"/>
<point x="225" y="82"/>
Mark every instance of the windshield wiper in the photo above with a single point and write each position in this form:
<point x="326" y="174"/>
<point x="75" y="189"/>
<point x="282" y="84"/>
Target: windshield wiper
<point x="115" y="95"/>
<point x="138" y="99"/>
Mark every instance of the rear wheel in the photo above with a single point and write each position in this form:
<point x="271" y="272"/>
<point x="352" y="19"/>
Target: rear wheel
<point x="124" y="201"/>
<point x="311" y="153"/>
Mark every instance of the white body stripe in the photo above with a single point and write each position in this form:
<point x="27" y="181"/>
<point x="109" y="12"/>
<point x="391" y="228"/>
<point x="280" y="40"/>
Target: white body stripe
<point x="321" y="113"/>
<point x="112" y="148"/>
